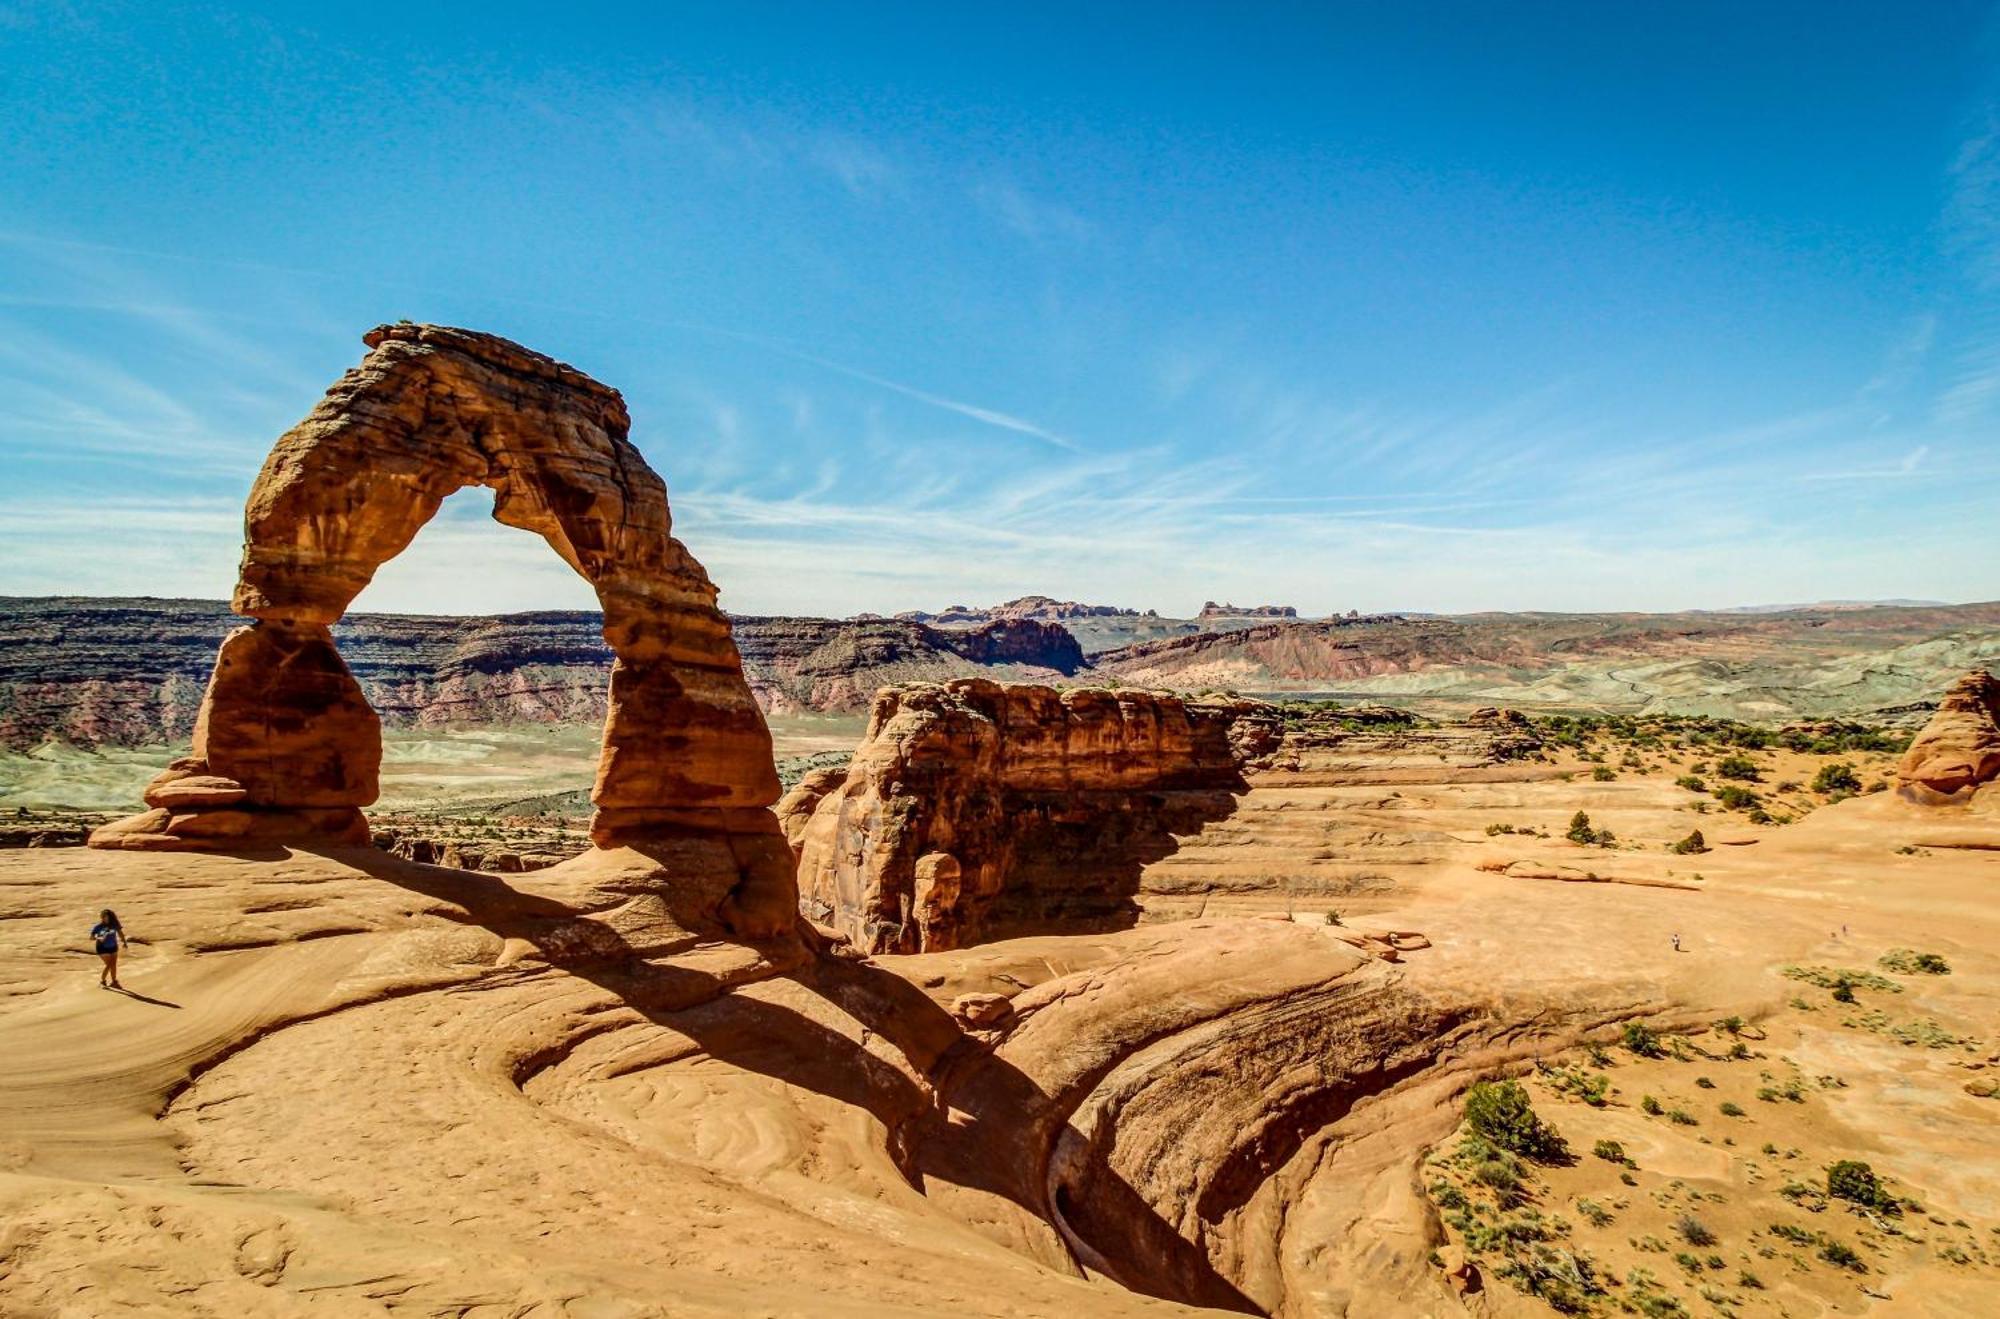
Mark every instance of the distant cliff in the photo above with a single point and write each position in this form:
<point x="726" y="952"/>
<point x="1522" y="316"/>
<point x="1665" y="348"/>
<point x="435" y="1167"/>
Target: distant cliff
<point x="129" y="672"/>
<point x="1038" y="608"/>
<point x="1211" y="610"/>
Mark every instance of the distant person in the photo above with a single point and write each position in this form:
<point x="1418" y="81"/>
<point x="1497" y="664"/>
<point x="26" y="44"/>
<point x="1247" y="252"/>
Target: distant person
<point x="108" y="936"/>
<point x="1677" y="943"/>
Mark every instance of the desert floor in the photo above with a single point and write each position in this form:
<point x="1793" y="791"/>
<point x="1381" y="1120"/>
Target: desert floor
<point x="347" y="1084"/>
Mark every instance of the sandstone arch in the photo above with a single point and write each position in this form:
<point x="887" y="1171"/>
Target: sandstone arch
<point x="286" y="747"/>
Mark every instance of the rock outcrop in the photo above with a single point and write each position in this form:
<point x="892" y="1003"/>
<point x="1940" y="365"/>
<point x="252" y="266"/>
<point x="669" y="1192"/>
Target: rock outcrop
<point x="973" y="809"/>
<point x="1960" y="747"/>
<point x="286" y="748"/>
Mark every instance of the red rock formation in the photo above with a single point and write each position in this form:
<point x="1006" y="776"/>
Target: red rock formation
<point x="286" y="748"/>
<point x="971" y="808"/>
<point x="1960" y="747"/>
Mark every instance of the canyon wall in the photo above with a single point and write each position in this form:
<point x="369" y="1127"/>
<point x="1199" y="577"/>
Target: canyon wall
<point x="973" y="810"/>
<point x="130" y="672"/>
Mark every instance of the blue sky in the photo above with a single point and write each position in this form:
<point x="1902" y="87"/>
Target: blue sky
<point x="1444" y="307"/>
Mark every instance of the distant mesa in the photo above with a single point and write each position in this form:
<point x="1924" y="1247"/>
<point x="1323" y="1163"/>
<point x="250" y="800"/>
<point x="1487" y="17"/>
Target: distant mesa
<point x="1960" y="748"/>
<point x="1041" y="608"/>
<point x="1213" y="610"/>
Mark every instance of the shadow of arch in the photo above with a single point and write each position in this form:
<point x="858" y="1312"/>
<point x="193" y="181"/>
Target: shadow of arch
<point x="976" y="1121"/>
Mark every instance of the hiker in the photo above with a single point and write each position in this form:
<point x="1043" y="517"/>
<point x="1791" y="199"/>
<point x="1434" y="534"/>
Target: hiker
<point x="1677" y="943"/>
<point x="108" y="936"/>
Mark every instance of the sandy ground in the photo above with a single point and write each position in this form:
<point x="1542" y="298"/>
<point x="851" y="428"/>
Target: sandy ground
<point x="340" y="1084"/>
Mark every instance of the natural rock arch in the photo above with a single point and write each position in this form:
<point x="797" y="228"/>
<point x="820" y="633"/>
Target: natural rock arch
<point x="286" y="748"/>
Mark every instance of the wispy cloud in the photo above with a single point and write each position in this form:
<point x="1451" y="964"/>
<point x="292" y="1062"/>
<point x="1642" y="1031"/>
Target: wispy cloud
<point x="1034" y="218"/>
<point x="1910" y="465"/>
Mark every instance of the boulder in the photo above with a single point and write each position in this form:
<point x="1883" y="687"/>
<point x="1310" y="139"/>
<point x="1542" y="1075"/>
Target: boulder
<point x="983" y="1011"/>
<point x="1960" y="748"/>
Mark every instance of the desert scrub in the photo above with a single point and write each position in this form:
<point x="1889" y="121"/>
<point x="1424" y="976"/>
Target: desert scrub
<point x="1731" y="1109"/>
<point x="1910" y="962"/>
<point x="1694" y="1231"/>
<point x="1841" y="1255"/>
<point x="1855" y="1182"/>
<point x="1594" y="1213"/>
<point x="1692" y="845"/>
<point x="1738" y="767"/>
<point x="1733" y="798"/>
<point x="1500" y="1112"/>
<point x="1922" y="1032"/>
<point x="1593" y="1089"/>
<point x="1642" y="1040"/>
<point x="1832" y="977"/>
<point x="1603" y="774"/>
<point x="1611" y="1152"/>
<point x="1692" y="782"/>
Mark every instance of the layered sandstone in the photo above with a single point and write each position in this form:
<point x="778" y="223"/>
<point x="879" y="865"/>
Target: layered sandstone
<point x="130" y="672"/>
<point x="972" y="809"/>
<point x="286" y="749"/>
<point x="1960" y="748"/>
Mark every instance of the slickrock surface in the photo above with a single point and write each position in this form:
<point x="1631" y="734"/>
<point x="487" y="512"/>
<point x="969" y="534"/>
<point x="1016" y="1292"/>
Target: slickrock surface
<point x="347" y="1083"/>
<point x="1960" y="747"/>
<point x="973" y="807"/>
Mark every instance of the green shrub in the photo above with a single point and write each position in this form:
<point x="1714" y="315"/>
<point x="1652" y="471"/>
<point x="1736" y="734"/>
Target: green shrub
<point x="1609" y="1150"/>
<point x="1500" y="1112"/>
<point x="1734" y="798"/>
<point x="1838" y="777"/>
<point x="1642" y="1040"/>
<point x="1738" y="767"/>
<point x="1692" y="845"/>
<point x="1580" y="830"/>
<point x="1603" y="774"/>
<point x="1910" y="962"/>
<point x="1651" y="1106"/>
<point x="1798" y="1236"/>
<point x="1731" y="1109"/>
<point x="1704" y="1083"/>
<point x="1842" y="1255"/>
<point x="1691" y="782"/>
<point x="1855" y="1182"/>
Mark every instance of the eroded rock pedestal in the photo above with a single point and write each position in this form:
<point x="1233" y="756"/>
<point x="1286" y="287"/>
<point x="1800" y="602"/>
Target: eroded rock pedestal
<point x="973" y="809"/>
<point x="1960" y="748"/>
<point x="286" y="749"/>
